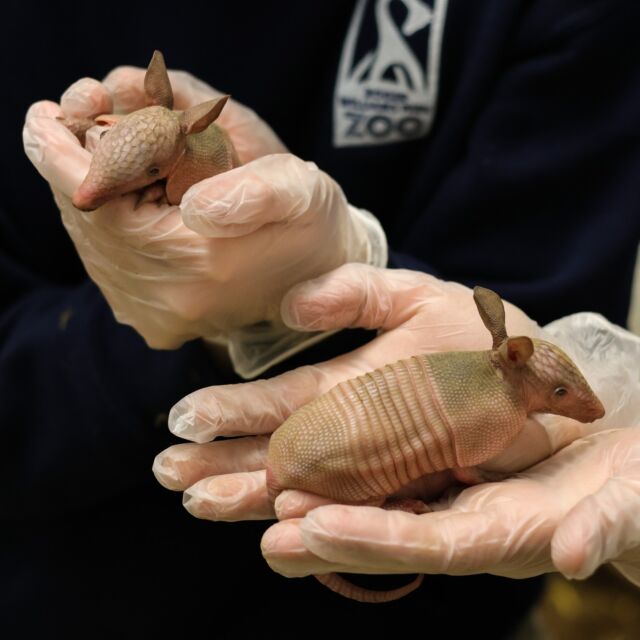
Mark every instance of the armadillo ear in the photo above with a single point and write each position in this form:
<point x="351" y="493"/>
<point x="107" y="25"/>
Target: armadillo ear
<point x="491" y="311"/>
<point x="516" y="351"/>
<point x="198" y="118"/>
<point x="156" y="82"/>
<point x="110" y="119"/>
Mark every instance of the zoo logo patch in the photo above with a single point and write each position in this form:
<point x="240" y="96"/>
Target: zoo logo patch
<point x="387" y="83"/>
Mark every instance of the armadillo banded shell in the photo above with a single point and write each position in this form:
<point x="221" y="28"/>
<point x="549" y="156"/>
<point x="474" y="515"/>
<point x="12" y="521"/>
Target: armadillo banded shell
<point x="369" y="436"/>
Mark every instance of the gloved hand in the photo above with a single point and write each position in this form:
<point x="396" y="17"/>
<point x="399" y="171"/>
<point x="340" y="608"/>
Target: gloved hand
<point x="218" y="265"/>
<point x="499" y="527"/>
<point x="417" y="314"/>
<point x="571" y="513"/>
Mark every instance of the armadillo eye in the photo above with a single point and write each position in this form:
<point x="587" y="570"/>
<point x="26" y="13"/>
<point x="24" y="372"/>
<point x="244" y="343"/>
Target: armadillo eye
<point x="103" y="134"/>
<point x="560" y="391"/>
<point x="153" y="171"/>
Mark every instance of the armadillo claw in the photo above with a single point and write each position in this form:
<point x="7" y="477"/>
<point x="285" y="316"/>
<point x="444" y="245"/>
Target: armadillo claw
<point x="153" y="193"/>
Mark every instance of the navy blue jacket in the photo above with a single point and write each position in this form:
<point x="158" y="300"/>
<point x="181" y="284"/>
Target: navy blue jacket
<point x="526" y="183"/>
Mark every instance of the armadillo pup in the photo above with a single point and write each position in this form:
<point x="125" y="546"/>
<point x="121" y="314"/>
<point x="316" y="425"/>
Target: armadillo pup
<point x="370" y="436"/>
<point x="155" y="150"/>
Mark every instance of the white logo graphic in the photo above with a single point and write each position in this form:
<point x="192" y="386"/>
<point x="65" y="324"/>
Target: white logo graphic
<point x="387" y="89"/>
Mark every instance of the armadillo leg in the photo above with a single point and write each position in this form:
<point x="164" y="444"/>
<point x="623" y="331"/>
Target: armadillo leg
<point x="410" y="505"/>
<point x="475" y="475"/>
<point x="77" y="126"/>
<point x="347" y="589"/>
<point x="152" y="193"/>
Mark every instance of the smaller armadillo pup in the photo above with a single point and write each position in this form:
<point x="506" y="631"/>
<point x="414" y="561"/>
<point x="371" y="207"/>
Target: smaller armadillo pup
<point x="154" y="150"/>
<point x="368" y="437"/>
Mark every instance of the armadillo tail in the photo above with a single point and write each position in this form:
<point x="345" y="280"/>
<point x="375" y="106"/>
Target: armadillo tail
<point x="347" y="589"/>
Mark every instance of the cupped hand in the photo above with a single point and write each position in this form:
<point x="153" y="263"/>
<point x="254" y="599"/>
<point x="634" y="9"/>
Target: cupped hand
<point x="222" y="261"/>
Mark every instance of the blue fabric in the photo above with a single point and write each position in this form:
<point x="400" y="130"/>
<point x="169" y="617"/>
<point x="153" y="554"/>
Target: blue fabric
<point x="527" y="184"/>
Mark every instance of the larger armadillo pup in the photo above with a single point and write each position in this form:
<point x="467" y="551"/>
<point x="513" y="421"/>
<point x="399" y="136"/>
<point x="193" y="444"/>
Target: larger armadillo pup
<point x="368" y="437"/>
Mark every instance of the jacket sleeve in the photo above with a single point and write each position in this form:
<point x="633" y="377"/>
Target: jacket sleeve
<point x="541" y="202"/>
<point x="84" y="401"/>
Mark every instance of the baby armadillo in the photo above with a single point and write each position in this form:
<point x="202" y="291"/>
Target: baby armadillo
<point x="154" y="144"/>
<point x="368" y="437"/>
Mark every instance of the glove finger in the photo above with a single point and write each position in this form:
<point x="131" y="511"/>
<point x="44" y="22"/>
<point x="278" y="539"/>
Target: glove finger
<point x="230" y="497"/>
<point x="599" y="528"/>
<point x="86" y="98"/>
<point x="183" y="465"/>
<point x="54" y="151"/>
<point x="358" y="295"/>
<point x="243" y="409"/>
<point x="295" y="504"/>
<point x="125" y="84"/>
<point x="275" y="188"/>
<point x="370" y="540"/>
<point x="251" y="136"/>
<point x="285" y="553"/>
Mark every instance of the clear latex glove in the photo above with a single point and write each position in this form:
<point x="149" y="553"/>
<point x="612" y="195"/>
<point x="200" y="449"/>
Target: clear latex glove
<point x="571" y="513"/>
<point x="417" y="313"/>
<point x="218" y="265"/>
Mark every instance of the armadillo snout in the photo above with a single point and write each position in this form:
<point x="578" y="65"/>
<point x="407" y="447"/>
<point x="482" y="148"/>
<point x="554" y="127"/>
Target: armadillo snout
<point x="589" y="411"/>
<point x="88" y="198"/>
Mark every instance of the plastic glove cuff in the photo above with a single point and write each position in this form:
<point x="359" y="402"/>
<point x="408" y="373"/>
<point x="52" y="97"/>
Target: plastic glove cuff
<point x="377" y="249"/>
<point x="255" y="349"/>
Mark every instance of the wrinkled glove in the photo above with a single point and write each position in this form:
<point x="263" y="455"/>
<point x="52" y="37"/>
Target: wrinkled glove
<point x="417" y="313"/>
<point x="218" y="265"/>
<point x="571" y="513"/>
